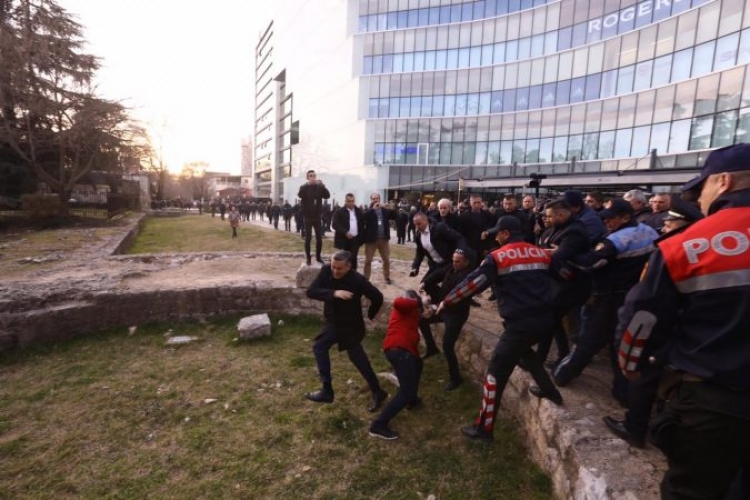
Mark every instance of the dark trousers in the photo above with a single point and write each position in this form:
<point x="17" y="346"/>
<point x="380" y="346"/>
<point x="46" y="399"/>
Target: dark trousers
<point x="514" y="348"/>
<point x="323" y="343"/>
<point x="408" y="369"/>
<point x="454" y="323"/>
<point x="706" y="448"/>
<point x="287" y="224"/>
<point x="352" y="246"/>
<point x="641" y="396"/>
<point x="313" y="224"/>
<point x="515" y="345"/>
<point x="596" y="333"/>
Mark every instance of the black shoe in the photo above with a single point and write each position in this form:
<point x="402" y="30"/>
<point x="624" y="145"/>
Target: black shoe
<point x="388" y="281"/>
<point x="382" y="432"/>
<point x="377" y="400"/>
<point x="475" y="432"/>
<point x="619" y="429"/>
<point x="320" y="397"/>
<point x="319" y="260"/>
<point x="430" y="353"/>
<point x="309" y="261"/>
<point x="452" y="384"/>
<point x="555" y="397"/>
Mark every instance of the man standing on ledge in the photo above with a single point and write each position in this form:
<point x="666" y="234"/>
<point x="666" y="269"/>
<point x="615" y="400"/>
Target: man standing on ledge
<point x="311" y="195"/>
<point x="342" y="289"/>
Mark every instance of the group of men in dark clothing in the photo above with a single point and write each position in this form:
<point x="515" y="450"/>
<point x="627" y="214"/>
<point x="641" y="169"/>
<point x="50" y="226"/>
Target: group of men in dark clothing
<point x="580" y="264"/>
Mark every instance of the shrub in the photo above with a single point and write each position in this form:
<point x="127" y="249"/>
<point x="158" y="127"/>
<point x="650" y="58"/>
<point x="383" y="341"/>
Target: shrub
<point x="41" y="206"/>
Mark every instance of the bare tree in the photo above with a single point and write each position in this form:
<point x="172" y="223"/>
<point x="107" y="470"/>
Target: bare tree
<point x="195" y="174"/>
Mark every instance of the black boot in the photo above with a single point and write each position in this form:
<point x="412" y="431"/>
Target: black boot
<point x="325" y="395"/>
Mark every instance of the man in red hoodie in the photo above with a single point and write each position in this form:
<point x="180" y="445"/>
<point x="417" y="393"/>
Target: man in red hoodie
<point x="401" y="348"/>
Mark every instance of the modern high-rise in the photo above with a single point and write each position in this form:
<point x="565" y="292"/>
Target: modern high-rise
<point x="411" y="95"/>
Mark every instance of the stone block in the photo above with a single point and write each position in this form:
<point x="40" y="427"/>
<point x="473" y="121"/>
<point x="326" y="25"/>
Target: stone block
<point x="255" y="326"/>
<point x="307" y="274"/>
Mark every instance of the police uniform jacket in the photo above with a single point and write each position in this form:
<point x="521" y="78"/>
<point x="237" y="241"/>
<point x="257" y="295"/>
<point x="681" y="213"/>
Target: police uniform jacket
<point x="695" y="294"/>
<point x="519" y="274"/>
<point x="340" y="224"/>
<point x="617" y="261"/>
<point x="345" y="316"/>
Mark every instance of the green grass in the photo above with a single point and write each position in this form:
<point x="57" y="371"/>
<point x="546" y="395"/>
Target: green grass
<point x="115" y="416"/>
<point x="191" y="233"/>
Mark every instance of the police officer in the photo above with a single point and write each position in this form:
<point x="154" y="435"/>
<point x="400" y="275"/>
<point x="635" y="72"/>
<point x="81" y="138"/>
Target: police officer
<point x="643" y="391"/>
<point x="615" y="264"/>
<point x="694" y="297"/>
<point x="519" y="275"/>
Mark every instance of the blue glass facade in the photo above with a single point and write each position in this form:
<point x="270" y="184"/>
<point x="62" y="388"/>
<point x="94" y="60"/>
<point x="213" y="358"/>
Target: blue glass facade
<point x="597" y="83"/>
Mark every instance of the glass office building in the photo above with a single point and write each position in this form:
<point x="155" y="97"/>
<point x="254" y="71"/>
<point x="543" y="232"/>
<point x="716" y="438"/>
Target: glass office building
<point x="589" y="92"/>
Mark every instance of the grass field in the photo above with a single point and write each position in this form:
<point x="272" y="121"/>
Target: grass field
<point x="119" y="416"/>
<point x="192" y="232"/>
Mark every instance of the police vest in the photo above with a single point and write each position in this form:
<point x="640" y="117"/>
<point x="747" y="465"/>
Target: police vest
<point x="520" y="256"/>
<point x="711" y="254"/>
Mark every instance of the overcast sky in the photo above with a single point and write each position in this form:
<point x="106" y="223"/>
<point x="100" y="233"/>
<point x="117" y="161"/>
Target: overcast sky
<point x="185" y="67"/>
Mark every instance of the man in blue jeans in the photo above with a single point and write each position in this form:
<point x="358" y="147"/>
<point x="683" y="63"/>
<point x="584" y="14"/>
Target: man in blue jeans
<point x="342" y="289"/>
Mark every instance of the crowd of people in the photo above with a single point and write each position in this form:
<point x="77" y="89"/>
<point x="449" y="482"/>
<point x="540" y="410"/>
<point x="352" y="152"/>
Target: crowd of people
<point x="661" y="282"/>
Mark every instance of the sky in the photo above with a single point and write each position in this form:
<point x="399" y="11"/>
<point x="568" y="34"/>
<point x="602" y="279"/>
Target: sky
<point x="185" y="68"/>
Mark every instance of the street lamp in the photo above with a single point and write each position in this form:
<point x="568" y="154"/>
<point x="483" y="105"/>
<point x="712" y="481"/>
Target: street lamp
<point x="535" y="182"/>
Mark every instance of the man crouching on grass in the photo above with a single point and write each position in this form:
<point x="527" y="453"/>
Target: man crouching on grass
<point x="341" y="289"/>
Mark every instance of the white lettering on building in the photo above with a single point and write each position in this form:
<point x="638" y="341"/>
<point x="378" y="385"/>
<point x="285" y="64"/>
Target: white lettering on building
<point x="641" y="9"/>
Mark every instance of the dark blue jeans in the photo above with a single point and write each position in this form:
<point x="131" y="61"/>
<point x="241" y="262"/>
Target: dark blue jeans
<point x="408" y="370"/>
<point x="357" y="355"/>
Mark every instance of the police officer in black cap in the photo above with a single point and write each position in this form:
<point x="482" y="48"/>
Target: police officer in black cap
<point x="519" y="274"/>
<point x="681" y="214"/>
<point x="694" y="299"/>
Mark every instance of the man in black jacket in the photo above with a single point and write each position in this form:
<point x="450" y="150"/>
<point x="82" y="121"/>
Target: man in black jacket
<point x="311" y="195"/>
<point x="341" y="289"/>
<point x="564" y="239"/>
<point x="434" y="240"/>
<point x="437" y="284"/>
<point x="347" y="228"/>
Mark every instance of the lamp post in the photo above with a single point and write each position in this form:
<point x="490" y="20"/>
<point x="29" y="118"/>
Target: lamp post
<point x="535" y="182"/>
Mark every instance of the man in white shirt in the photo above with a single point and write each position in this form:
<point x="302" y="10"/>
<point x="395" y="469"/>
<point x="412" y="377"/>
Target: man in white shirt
<point x="347" y="228"/>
